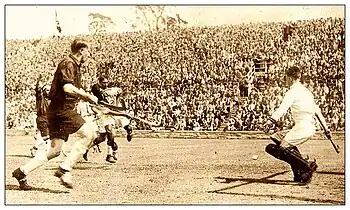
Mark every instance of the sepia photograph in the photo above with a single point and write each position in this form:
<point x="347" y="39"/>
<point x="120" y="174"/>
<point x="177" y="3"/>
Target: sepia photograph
<point x="155" y="104"/>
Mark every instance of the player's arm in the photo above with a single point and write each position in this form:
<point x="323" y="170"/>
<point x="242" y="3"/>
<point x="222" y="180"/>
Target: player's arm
<point x="281" y="110"/>
<point x="79" y="93"/>
<point x="69" y="88"/>
<point x="114" y="91"/>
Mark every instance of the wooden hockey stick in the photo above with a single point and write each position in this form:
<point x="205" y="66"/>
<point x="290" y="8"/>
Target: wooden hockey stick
<point x="107" y="111"/>
<point x="335" y="146"/>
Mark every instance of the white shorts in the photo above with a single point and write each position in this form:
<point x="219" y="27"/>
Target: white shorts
<point x="121" y="121"/>
<point x="109" y="121"/>
<point x="91" y="120"/>
<point x="103" y="121"/>
<point x="299" y="134"/>
<point x="115" y="121"/>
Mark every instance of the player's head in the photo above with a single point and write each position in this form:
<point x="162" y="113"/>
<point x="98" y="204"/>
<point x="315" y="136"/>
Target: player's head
<point x="292" y="74"/>
<point x="80" y="48"/>
<point x="103" y="81"/>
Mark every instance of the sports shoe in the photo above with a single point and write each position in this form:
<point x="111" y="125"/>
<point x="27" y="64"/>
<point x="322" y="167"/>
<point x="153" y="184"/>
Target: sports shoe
<point x="110" y="159"/>
<point x="128" y="132"/>
<point x="306" y="176"/>
<point x="85" y="155"/>
<point x="21" y="178"/>
<point x="297" y="173"/>
<point x="65" y="177"/>
<point x="33" y="151"/>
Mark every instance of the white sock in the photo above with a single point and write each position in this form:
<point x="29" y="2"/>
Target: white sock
<point x="110" y="151"/>
<point x="39" y="160"/>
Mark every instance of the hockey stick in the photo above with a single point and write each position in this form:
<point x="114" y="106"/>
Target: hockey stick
<point x="106" y="110"/>
<point x="112" y="107"/>
<point x="336" y="147"/>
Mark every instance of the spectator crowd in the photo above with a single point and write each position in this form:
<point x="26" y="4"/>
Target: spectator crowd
<point x="190" y="78"/>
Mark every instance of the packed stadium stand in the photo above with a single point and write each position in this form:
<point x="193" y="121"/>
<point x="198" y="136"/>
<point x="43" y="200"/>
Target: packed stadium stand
<point x="195" y="78"/>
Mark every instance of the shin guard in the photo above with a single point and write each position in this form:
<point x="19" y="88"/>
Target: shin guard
<point x="288" y="155"/>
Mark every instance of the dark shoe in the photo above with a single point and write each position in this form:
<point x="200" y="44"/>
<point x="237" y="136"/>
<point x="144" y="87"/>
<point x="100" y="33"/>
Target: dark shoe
<point x="65" y="177"/>
<point x="128" y="132"/>
<point x="110" y="159"/>
<point x="296" y="172"/>
<point x="85" y="156"/>
<point x="129" y="137"/>
<point x="21" y="178"/>
<point x="305" y="177"/>
<point x="296" y="179"/>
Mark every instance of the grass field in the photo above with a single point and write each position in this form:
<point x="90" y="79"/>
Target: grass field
<point x="181" y="171"/>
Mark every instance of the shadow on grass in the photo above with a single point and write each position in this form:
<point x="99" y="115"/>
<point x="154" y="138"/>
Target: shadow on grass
<point x="266" y="180"/>
<point x="330" y="173"/>
<point x="103" y="167"/>
<point x="247" y="181"/>
<point x="25" y="156"/>
<point x="38" y="189"/>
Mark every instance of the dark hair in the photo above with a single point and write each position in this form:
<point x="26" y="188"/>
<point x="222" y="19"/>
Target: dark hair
<point x="101" y="78"/>
<point x="77" y="44"/>
<point x="293" y="72"/>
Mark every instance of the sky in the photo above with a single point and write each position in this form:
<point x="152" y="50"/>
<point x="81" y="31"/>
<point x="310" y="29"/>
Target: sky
<point x="23" y="22"/>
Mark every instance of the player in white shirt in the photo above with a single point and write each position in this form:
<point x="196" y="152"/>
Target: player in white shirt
<point x="100" y="122"/>
<point x="303" y="108"/>
<point x="108" y="124"/>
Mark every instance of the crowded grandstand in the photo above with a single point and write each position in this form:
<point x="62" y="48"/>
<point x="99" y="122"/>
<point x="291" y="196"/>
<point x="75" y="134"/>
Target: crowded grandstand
<point x="227" y="77"/>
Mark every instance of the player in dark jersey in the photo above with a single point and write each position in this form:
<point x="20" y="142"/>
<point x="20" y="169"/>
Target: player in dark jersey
<point x="63" y="119"/>
<point x="101" y="91"/>
<point x="42" y="103"/>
